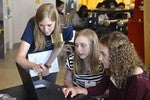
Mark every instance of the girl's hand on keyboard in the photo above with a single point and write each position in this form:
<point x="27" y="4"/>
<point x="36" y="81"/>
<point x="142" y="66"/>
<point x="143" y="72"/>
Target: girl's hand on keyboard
<point x="70" y="91"/>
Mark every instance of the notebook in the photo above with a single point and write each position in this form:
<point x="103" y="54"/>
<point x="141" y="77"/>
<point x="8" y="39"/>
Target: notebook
<point x="41" y="89"/>
<point x="42" y="57"/>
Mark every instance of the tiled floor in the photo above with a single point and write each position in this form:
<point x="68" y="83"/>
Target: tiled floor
<point x="9" y="75"/>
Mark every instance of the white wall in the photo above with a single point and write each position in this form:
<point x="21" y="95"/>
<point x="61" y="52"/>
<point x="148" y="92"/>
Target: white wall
<point x="1" y="10"/>
<point x="22" y="10"/>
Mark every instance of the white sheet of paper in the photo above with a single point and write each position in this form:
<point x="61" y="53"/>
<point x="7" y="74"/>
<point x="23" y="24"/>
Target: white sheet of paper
<point x="42" y="57"/>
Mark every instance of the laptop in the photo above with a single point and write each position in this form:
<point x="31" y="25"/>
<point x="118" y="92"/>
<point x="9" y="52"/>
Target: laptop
<point x="41" y="89"/>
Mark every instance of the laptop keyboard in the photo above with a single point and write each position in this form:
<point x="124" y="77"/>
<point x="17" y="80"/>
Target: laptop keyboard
<point x="47" y="94"/>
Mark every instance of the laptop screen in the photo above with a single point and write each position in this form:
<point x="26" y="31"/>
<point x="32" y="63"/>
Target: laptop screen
<point x="50" y="91"/>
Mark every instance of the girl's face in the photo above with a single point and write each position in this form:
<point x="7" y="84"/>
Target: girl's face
<point x="60" y="8"/>
<point x="82" y="46"/>
<point x="104" y="55"/>
<point x="46" y="26"/>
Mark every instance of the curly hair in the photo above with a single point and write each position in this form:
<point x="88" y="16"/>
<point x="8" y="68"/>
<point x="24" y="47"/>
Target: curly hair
<point x="124" y="58"/>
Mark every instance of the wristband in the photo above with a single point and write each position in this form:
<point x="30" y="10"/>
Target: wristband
<point x="47" y="65"/>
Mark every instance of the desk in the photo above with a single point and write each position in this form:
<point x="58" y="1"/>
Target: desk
<point x="17" y="91"/>
<point x="20" y="93"/>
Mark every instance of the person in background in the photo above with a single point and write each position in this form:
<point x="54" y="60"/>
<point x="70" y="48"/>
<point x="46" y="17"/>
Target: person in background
<point x="66" y="25"/>
<point x="121" y="6"/>
<point x="80" y="16"/>
<point x="122" y="24"/>
<point x="83" y="68"/>
<point x="127" y="78"/>
<point x="43" y="32"/>
<point x="101" y="6"/>
<point x="110" y="4"/>
<point x="102" y="17"/>
<point x="60" y="6"/>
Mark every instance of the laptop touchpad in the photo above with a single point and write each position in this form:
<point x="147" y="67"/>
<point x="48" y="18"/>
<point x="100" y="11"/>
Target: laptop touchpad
<point x="39" y="86"/>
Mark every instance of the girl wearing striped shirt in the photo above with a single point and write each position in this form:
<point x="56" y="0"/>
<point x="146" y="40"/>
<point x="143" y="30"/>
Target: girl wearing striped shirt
<point x="83" y="68"/>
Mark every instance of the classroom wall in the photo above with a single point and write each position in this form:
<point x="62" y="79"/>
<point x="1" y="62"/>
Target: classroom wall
<point x="1" y="10"/>
<point x="147" y="32"/>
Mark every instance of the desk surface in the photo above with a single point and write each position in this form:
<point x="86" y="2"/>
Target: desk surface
<point x="17" y="91"/>
<point x="20" y="93"/>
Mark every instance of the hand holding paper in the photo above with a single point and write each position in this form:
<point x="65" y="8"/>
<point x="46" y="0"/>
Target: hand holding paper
<point x="41" y="58"/>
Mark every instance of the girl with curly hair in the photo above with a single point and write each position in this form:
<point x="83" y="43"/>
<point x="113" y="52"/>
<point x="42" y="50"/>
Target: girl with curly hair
<point x="127" y="78"/>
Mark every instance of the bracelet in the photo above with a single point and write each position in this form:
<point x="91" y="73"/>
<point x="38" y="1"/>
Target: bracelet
<point x="47" y="66"/>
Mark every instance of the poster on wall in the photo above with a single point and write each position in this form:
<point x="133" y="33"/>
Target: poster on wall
<point x="70" y="6"/>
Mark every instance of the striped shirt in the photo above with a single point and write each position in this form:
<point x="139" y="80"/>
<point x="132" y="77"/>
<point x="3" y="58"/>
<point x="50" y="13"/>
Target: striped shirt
<point x="85" y="80"/>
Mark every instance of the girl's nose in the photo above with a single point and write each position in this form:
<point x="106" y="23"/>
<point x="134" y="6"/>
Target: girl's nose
<point x="100" y="57"/>
<point x="45" y="29"/>
<point x="78" y="48"/>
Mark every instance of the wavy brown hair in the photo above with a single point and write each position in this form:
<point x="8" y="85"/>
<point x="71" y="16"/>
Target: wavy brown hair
<point x="124" y="57"/>
<point x="50" y="11"/>
<point x="93" y="56"/>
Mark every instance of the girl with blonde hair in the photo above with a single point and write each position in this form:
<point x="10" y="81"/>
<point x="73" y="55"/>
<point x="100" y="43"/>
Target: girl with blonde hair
<point x="42" y="33"/>
<point x="83" y="68"/>
<point x="127" y="78"/>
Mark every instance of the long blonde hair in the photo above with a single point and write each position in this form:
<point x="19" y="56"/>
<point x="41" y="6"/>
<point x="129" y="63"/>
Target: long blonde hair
<point x="50" y="11"/>
<point x="93" y="56"/>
